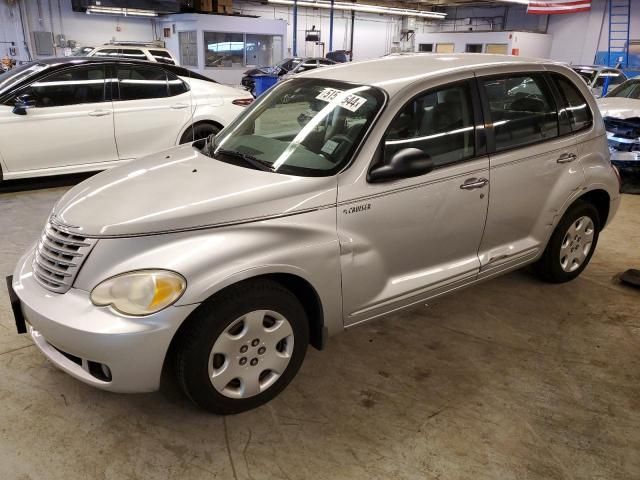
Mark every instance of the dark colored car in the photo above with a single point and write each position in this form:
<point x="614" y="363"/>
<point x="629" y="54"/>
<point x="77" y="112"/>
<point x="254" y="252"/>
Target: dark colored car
<point x="288" y="65"/>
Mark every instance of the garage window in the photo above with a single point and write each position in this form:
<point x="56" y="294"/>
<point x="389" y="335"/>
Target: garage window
<point x="223" y="49"/>
<point x="522" y="110"/>
<point x="71" y="87"/>
<point x="139" y="83"/>
<point x="440" y="123"/>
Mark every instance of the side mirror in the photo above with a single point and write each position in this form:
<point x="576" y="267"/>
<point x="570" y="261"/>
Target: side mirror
<point x="23" y="103"/>
<point x="408" y="162"/>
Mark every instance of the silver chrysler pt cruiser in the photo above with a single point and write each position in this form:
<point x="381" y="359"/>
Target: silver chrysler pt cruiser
<point x="340" y="196"/>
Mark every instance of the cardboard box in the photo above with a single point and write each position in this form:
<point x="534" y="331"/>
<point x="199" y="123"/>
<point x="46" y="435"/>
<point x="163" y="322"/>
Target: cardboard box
<point x="204" y="5"/>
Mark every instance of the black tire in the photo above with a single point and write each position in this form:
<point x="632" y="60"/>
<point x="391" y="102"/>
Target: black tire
<point x="549" y="266"/>
<point x="198" y="132"/>
<point x="212" y="319"/>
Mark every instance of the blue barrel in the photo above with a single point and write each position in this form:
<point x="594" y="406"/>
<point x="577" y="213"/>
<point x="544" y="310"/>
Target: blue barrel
<point x="263" y="83"/>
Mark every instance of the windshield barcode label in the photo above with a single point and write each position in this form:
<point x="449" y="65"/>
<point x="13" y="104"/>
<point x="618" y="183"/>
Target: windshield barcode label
<point x="345" y="100"/>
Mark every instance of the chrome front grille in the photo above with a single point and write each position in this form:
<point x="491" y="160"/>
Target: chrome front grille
<point x="59" y="256"/>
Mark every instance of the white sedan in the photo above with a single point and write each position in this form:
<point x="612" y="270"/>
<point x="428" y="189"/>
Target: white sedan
<point x="68" y="115"/>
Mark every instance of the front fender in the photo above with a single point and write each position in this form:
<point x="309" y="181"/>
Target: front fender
<point x="304" y="245"/>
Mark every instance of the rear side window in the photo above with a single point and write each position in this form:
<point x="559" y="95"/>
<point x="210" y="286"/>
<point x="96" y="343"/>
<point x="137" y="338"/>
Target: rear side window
<point x="138" y="83"/>
<point x="162" y="56"/>
<point x="107" y="52"/>
<point x="522" y="110"/>
<point x="574" y="104"/>
<point x="73" y="86"/>
<point x="440" y="123"/>
<point x="132" y="53"/>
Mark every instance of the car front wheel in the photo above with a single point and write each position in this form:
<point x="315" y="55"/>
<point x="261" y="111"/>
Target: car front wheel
<point x="242" y="347"/>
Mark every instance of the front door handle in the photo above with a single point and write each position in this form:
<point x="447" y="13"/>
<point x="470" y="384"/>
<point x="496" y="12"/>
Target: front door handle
<point x="566" y="158"/>
<point x="179" y="106"/>
<point x="472" y="183"/>
<point x="99" y="113"/>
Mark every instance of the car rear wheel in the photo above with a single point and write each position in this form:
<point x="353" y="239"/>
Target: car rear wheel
<point x="242" y="347"/>
<point x="572" y="244"/>
<point x="198" y="132"/>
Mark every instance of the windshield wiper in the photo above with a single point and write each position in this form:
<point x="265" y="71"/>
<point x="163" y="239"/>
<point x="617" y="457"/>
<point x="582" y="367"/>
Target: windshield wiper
<point x="246" y="158"/>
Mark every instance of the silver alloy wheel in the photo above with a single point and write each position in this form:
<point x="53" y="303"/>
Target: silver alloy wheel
<point x="251" y="354"/>
<point x="576" y="244"/>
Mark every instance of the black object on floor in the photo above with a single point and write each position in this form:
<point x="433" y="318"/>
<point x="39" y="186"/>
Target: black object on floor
<point x="631" y="277"/>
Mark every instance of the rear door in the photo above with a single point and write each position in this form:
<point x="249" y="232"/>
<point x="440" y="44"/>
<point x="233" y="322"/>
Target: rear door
<point x="71" y="123"/>
<point x="533" y="167"/>
<point x="150" y="110"/>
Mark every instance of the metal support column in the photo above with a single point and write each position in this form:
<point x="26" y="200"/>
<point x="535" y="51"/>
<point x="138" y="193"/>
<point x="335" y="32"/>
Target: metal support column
<point x="331" y="27"/>
<point x="353" y="23"/>
<point x="295" y="28"/>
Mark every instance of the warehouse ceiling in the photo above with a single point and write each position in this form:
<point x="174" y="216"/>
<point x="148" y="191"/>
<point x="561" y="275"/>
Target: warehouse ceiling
<point x="429" y="4"/>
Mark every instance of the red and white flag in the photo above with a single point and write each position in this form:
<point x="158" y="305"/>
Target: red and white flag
<point x="558" y="6"/>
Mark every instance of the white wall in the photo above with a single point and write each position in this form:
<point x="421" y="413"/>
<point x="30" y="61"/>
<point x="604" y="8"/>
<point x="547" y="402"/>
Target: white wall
<point x="535" y="45"/>
<point x="577" y="37"/>
<point x="84" y="29"/>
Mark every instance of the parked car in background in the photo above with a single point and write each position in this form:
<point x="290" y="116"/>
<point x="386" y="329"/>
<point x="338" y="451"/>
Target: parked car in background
<point x="130" y="51"/>
<point x="596" y="75"/>
<point x="621" y="112"/>
<point x="339" y="56"/>
<point x="72" y="114"/>
<point x="409" y="177"/>
<point x="307" y="65"/>
<point x="286" y="67"/>
<point x="248" y="80"/>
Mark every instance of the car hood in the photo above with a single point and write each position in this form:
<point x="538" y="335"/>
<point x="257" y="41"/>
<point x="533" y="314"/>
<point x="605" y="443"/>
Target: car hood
<point x="619" y="107"/>
<point x="182" y="189"/>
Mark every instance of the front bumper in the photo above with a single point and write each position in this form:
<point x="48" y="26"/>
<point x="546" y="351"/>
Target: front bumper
<point x="80" y="338"/>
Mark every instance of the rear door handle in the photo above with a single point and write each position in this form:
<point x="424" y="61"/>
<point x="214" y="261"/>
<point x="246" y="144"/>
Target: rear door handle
<point x="566" y="158"/>
<point x="99" y="113"/>
<point x="472" y="183"/>
<point x="179" y="106"/>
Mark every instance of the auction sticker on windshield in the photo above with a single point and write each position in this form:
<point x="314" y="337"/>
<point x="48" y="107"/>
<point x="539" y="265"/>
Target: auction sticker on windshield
<point x="345" y="100"/>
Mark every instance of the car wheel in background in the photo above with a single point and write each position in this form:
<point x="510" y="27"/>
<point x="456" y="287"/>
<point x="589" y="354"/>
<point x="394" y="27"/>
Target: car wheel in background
<point x="198" y="132"/>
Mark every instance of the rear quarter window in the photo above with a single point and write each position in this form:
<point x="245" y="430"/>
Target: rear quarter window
<point x="575" y="106"/>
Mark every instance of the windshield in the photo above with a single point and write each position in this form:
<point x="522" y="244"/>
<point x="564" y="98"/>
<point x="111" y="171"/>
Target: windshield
<point x="81" y="51"/>
<point x="629" y="89"/>
<point x="305" y="127"/>
<point x="289" y="64"/>
<point x="587" y="74"/>
<point x="18" y="74"/>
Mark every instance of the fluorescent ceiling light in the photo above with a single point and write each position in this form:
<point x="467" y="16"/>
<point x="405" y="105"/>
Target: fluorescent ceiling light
<point x="358" y="7"/>
<point x="125" y="12"/>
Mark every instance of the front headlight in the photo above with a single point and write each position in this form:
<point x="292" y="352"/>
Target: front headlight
<point x="142" y="292"/>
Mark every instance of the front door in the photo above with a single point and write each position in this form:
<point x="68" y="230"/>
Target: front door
<point x="152" y="108"/>
<point x="71" y="123"/>
<point x="404" y="239"/>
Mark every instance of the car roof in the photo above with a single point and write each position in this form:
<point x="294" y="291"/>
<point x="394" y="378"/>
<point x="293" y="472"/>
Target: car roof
<point x="61" y="62"/>
<point x="397" y="71"/>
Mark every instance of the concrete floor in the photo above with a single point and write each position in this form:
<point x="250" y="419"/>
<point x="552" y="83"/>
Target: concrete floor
<point x="512" y="379"/>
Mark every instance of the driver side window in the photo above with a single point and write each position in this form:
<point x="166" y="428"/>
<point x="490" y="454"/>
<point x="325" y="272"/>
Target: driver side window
<point x="440" y="123"/>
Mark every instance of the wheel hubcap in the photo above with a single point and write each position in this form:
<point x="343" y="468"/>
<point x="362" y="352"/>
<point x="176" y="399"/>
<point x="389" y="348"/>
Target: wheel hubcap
<point x="576" y="244"/>
<point x="251" y="354"/>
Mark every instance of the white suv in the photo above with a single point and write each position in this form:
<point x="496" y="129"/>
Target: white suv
<point x="137" y="52"/>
